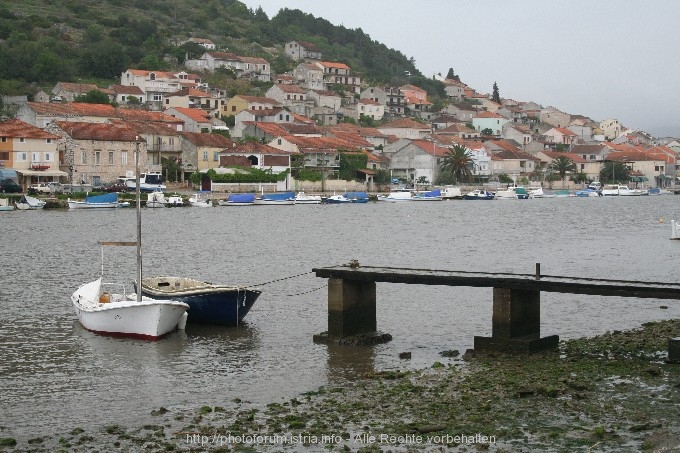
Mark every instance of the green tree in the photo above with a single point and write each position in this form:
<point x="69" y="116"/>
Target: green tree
<point x="614" y="172"/>
<point x="487" y="131"/>
<point x="458" y="163"/>
<point x="93" y="97"/>
<point x="496" y="97"/>
<point x="562" y="165"/>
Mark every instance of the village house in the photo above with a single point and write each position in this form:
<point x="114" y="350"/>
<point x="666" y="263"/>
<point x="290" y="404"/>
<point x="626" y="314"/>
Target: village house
<point x="554" y="117"/>
<point x="405" y="128"/>
<point x="560" y="136"/>
<point x="611" y="128"/>
<point x="266" y="131"/>
<point x="292" y="97"/>
<point x="203" y="42"/>
<point x="591" y="152"/>
<point x="302" y="50"/>
<point x="510" y="160"/>
<point x="275" y="115"/>
<point x="339" y="75"/>
<point x="461" y="112"/>
<point x="241" y="102"/>
<point x="459" y="130"/>
<point x="391" y="97"/>
<point x="67" y="91"/>
<point x="310" y="76"/>
<point x="157" y="84"/>
<point x="100" y="152"/>
<point x="519" y="133"/>
<point x="491" y="121"/>
<point x="162" y="141"/>
<point x="201" y="151"/>
<point x="29" y="152"/>
<point x="323" y="98"/>
<point x="375" y="138"/>
<point x="415" y="160"/>
<point x="124" y="95"/>
<point x="455" y="89"/>
<point x="254" y="68"/>
<point x="40" y="114"/>
<point x="195" y="120"/>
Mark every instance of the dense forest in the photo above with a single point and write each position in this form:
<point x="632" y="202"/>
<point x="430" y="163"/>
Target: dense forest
<point x="47" y="41"/>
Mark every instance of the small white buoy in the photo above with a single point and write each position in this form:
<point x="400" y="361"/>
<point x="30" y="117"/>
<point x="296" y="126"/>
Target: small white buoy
<point x="182" y="324"/>
<point x="661" y="220"/>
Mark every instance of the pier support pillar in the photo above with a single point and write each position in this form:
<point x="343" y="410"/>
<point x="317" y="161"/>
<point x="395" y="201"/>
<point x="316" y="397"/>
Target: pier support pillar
<point x="516" y="324"/>
<point x="351" y="314"/>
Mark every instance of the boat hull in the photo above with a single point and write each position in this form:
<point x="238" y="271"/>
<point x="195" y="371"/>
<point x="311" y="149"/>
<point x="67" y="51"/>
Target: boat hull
<point x="149" y="319"/>
<point x="208" y="304"/>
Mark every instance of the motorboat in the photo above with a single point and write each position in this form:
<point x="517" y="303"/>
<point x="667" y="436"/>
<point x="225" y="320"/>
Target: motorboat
<point x="625" y="191"/>
<point x="5" y="206"/>
<point x="394" y="197"/>
<point x="588" y="192"/>
<point x="107" y="309"/>
<point x="535" y="192"/>
<point x="156" y="200"/>
<point x="28" y="202"/>
<point x="175" y="200"/>
<point x="452" y="193"/>
<point x="201" y="199"/>
<point x="336" y="199"/>
<point x="238" y="199"/>
<point x="432" y="195"/>
<point x="276" y="199"/>
<point x="512" y="192"/>
<point x="303" y="198"/>
<point x="208" y="303"/>
<point x="356" y="197"/>
<point x="109" y="200"/>
<point x="479" y="194"/>
<point x="151" y="181"/>
<point x="612" y="190"/>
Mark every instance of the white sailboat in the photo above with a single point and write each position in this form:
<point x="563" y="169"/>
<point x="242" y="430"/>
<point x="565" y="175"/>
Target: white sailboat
<point x="107" y="309"/>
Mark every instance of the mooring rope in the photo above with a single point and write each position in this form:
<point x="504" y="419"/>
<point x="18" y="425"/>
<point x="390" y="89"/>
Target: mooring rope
<point x="279" y="280"/>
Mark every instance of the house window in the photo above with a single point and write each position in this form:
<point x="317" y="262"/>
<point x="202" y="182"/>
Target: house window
<point x="49" y="140"/>
<point x="22" y="157"/>
<point x="97" y="157"/>
<point x="205" y="155"/>
<point x="4" y="139"/>
<point x="110" y="157"/>
<point x="157" y="97"/>
<point x="22" y="140"/>
<point x="215" y="156"/>
<point x="49" y="157"/>
<point x="83" y="157"/>
<point x="233" y="108"/>
<point x="123" y="158"/>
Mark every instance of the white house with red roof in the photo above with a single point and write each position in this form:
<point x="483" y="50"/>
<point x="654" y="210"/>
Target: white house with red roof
<point x="254" y="68"/>
<point x="195" y="120"/>
<point x="560" y="135"/>
<point x="157" y="84"/>
<point x="302" y="50"/>
<point x="339" y="74"/>
<point x="405" y="128"/>
<point x="491" y="121"/>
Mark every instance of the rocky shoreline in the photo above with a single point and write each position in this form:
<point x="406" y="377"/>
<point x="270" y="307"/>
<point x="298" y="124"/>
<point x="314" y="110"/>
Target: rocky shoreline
<point x="614" y="392"/>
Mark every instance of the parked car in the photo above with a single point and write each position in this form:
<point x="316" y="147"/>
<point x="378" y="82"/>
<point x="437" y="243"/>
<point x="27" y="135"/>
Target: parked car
<point x="41" y="187"/>
<point x="115" y="187"/>
<point x="9" y="186"/>
<point x="56" y="187"/>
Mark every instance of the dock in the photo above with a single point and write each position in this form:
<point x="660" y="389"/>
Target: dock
<point x="516" y="316"/>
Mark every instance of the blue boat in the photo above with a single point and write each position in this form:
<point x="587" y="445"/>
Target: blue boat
<point x="432" y="195"/>
<point x="238" y="199"/>
<point x="356" y="197"/>
<point x="479" y="195"/>
<point x="208" y="303"/>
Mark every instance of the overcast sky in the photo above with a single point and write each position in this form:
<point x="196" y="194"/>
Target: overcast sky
<point x="598" y="58"/>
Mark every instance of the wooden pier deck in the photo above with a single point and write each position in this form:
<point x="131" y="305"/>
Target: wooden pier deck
<point x="516" y="299"/>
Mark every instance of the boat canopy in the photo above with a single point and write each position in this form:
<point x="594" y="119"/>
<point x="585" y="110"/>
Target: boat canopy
<point x="356" y="195"/>
<point x="278" y="196"/>
<point x="432" y="193"/>
<point x="242" y="197"/>
<point x="106" y="198"/>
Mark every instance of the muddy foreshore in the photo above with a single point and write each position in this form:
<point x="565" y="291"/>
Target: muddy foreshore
<point x="614" y="392"/>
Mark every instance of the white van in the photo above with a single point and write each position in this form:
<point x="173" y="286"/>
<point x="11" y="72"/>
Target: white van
<point x="595" y="185"/>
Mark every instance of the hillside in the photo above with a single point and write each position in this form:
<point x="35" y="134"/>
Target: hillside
<point x="46" y="41"/>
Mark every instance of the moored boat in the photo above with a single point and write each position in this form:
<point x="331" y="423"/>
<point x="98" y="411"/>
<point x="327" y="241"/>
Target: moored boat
<point x="151" y="181"/>
<point x="109" y="200"/>
<point x="452" y="193"/>
<point x="201" y="199"/>
<point x="276" y="199"/>
<point x="28" y="202"/>
<point x="5" y="206"/>
<point x="303" y="198"/>
<point x="208" y="303"/>
<point x="238" y="199"/>
<point x="156" y="200"/>
<point x="394" y="197"/>
<point x="432" y="195"/>
<point x="479" y="194"/>
<point x="356" y="197"/>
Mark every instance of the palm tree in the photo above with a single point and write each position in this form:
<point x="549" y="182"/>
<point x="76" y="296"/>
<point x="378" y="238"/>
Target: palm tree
<point x="563" y="165"/>
<point x="458" y="162"/>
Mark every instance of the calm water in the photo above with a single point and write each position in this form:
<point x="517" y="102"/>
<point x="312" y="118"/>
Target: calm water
<point x="56" y="376"/>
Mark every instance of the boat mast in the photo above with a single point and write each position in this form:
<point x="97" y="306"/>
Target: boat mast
<point x="139" y="223"/>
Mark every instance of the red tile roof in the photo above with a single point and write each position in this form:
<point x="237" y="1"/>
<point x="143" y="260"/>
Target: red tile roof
<point x="113" y="132"/>
<point x="15" y="128"/>
<point x="209" y="140"/>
